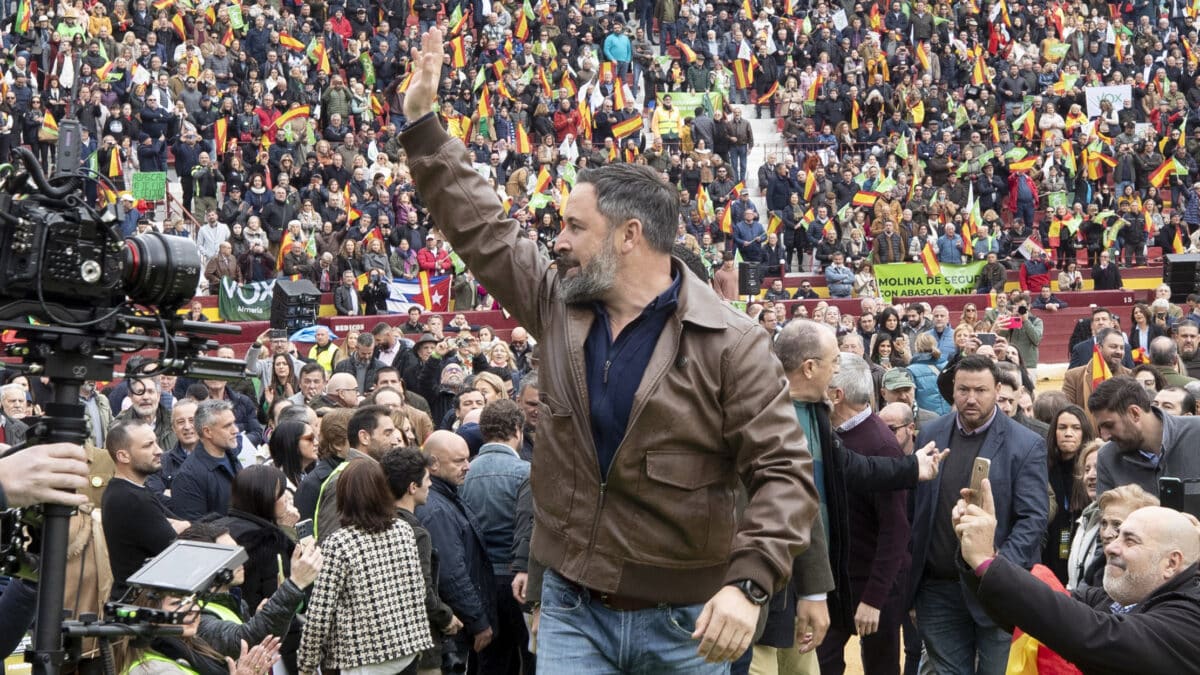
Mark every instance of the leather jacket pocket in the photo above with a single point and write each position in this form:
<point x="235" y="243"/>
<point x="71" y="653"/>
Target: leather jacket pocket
<point x="688" y="509"/>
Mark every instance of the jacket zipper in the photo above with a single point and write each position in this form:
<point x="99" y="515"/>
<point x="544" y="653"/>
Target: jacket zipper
<point x="617" y="453"/>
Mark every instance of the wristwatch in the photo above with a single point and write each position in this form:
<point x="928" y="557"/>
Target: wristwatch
<point x="753" y="592"/>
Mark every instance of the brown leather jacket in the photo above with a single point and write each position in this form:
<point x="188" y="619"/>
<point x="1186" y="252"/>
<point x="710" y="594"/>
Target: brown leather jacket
<point x="712" y="415"/>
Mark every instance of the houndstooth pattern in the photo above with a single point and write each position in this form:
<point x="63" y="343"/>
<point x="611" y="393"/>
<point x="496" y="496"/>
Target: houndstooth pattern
<point x="368" y="603"/>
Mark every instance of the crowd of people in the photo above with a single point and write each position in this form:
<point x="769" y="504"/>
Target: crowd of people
<point x="326" y="141"/>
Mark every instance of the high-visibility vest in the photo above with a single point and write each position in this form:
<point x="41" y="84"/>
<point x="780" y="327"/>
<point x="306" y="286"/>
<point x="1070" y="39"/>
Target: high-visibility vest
<point x="220" y="611"/>
<point x="155" y="656"/>
<point x="321" y="496"/>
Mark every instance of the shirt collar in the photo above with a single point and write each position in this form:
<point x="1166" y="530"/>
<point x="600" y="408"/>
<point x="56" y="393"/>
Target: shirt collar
<point x="666" y="301"/>
<point x="983" y="429"/>
<point x="854" y="421"/>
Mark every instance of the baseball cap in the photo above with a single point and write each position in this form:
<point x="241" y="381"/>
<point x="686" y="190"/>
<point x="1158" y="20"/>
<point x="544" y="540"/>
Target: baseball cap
<point x="897" y="378"/>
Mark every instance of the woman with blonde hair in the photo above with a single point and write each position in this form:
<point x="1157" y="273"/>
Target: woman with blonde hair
<point x="490" y="385"/>
<point x="924" y="370"/>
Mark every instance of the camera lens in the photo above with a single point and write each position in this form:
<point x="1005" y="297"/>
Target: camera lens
<point x="160" y="270"/>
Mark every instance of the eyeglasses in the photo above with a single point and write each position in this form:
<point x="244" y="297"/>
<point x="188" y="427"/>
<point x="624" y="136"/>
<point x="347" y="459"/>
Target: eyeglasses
<point x="897" y="427"/>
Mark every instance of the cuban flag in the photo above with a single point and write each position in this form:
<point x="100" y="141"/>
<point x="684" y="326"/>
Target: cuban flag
<point x="429" y="293"/>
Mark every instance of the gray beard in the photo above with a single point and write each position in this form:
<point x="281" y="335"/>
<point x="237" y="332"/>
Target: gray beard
<point x="594" y="279"/>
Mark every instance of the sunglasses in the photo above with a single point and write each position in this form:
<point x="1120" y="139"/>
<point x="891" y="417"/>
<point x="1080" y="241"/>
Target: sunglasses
<point x="309" y="437"/>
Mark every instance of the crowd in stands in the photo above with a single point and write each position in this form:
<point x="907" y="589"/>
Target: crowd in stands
<point x="912" y="133"/>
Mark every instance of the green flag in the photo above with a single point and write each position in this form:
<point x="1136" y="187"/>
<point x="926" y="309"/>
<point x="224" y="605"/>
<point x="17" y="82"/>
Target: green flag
<point x="1016" y="154"/>
<point x="538" y="201"/>
<point x="902" y="148"/>
<point x="459" y="265"/>
<point x="885" y="184"/>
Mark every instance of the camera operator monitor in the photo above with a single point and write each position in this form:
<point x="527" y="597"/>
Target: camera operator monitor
<point x="188" y="567"/>
<point x="1183" y="495"/>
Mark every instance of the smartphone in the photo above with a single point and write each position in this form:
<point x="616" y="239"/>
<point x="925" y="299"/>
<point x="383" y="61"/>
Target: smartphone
<point x="979" y="471"/>
<point x="1170" y="493"/>
<point x="304" y="530"/>
<point x="986" y="338"/>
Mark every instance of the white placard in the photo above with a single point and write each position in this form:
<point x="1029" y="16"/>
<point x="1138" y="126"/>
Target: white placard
<point x="1114" y="94"/>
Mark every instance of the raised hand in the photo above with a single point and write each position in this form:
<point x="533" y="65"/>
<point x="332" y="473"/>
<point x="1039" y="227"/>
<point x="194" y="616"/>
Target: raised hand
<point x="427" y="73"/>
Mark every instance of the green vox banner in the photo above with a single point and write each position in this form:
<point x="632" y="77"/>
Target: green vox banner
<point x="245" y="302"/>
<point x="687" y="102"/>
<point x="900" y="280"/>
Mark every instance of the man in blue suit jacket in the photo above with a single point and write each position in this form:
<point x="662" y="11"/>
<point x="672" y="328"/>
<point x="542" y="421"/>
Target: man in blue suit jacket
<point x="952" y="624"/>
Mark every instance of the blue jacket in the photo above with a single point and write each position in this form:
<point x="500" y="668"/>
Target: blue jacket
<point x="744" y="237"/>
<point x="1019" y="486"/>
<point x="925" y="391"/>
<point x="202" y="484"/>
<point x="465" y="579"/>
<point x="491" y="492"/>
<point x="950" y="249"/>
<point x="840" y="281"/>
<point x="945" y="344"/>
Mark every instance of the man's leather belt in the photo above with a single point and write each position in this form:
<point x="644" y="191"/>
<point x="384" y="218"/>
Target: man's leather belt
<point x="620" y="603"/>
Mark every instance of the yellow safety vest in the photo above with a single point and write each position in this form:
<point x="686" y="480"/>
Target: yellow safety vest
<point x="155" y="656"/>
<point x="321" y="495"/>
<point x="221" y="612"/>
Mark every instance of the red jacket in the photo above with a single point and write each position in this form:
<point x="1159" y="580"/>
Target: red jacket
<point x="1012" y="190"/>
<point x="566" y="122"/>
<point x="433" y="262"/>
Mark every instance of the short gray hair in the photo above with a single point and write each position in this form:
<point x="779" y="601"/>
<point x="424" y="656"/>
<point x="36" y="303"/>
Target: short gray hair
<point x="854" y="379"/>
<point x="207" y="411"/>
<point x="799" y="341"/>
<point x="632" y="191"/>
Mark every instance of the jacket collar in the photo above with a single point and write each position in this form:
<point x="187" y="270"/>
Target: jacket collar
<point x="497" y="448"/>
<point x="698" y="303"/>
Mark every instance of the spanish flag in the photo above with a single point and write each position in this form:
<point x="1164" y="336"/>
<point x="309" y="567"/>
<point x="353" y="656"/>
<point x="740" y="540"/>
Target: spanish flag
<point x="483" y="107"/>
<point x="774" y="222"/>
<point x="377" y="106"/>
<point x="163" y="4"/>
<point x="1027" y="656"/>
<point x="1163" y="172"/>
<point x="1024" y="124"/>
<point x="923" y="55"/>
<point x="177" y="23"/>
<point x="374" y="234"/>
<point x="918" y="112"/>
<point x="549" y="91"/>
<point x="114" y="163"/>
<point x="227" y="38"/>
<point x="24" y="18"/>
<point x="727" y="220"/>
<point x="567" y="85"/>
<point x="49" y="126"/>
<point x="1026" y="164"/>
<point x="855" y="111"/>
<point x="319" y="56"/>
<point x="748" y="9"/>
<point x="810" y="185"/>
<point x="458" y="53"/>
<point x="293" y="114"/>
<point x="523" y="146"/>
<point x="742" y="76"/>
<point x="866" y="199"/>
<point x="521" y="30"/>
<point x="285" y="247"/>
<point x="221" y="134"/>
<point x="1100" y="369"/>
<point x="703" y="202"/>
<point x="627" y="127"/>
<point x="543" y="181"/>
<point x="929" y="259"/>
<point x="104" y="195"/>
<point x="291" y="42"/>
<point x="979" y="74"/>
<point x="775" y="88"/>
<point x="618" y="95"/>
<point x="814" y="89"/>
<point x="405" y="82"/>
<point x="689" y="54"/>
<point x="1177" y="241"/>
<point x="995" y="130"/>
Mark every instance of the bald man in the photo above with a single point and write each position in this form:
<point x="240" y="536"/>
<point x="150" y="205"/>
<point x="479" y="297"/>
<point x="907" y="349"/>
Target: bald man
<point x="465" y="575"/>
<point x="899" y="418"/>
<point x="1144" y="619"/>
<point x="342" y="390"/>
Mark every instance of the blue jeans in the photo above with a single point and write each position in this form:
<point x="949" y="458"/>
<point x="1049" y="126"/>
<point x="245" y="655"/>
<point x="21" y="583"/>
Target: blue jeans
<point x="737" y="161"/>
<point x="953" y="638"/>
<point x="580" y="635"/>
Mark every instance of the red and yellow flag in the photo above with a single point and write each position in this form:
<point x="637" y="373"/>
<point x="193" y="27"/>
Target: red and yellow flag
<point x="1026" y="164"/>
<point x="221" y="134"/>
<point x="727" y="219"/>
<point x="627" y="127"/>
<point x="300" y="111"/>
<point x="810" y="185"/>
<point x="774" y="222"/>
<point x="49" y="125"/>
<point x="743" y="77"/>
<point x="1163" y="172"/>
<point x="291" y="42"/>
<point x="114" y="163"/>
<point x="458" y="53"/>
<point x="771" y="91"/>
<point x="523" y="146"/>
<point x="923" y="55"/>
<point x="543" y="181"/>
<point x="688" y="53"/>
<point x="929" y="259"/>
<point x="177" y="23"/>
<point x="866" y="199"/>
<point x="1100" y="369"/>
<point x="1177" y="241"/>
